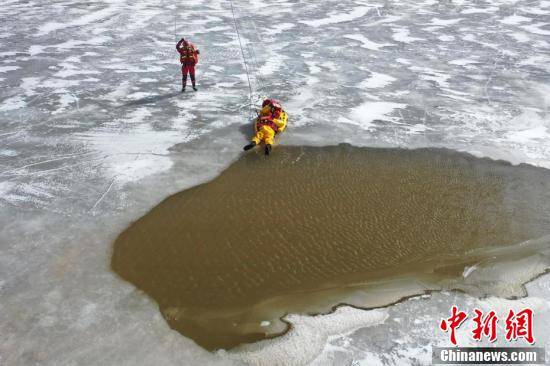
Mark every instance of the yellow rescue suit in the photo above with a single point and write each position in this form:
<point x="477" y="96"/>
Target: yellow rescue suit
<point x="266" y="126"/>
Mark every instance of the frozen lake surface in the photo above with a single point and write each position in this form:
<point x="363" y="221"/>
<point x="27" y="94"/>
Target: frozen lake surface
<point x="94" y="132"/>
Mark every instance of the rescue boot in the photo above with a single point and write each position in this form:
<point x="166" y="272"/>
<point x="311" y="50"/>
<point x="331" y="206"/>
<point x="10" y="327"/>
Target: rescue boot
<point x="193" y="82"/>
<point x="267" y="150"/>
<point x="249" y="146"/>
<point x="182" y="89"/>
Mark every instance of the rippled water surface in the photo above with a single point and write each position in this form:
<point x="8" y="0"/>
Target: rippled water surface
<point x="312" y="227"/>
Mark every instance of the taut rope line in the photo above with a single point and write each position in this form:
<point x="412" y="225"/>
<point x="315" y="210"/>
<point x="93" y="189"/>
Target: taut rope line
<point x="244" y="58"/>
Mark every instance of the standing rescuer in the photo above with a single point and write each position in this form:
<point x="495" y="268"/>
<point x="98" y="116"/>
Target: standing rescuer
<point x="189" y="57"/>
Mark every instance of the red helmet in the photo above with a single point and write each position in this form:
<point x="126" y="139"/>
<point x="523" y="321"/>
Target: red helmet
<point x="272" y="102"/>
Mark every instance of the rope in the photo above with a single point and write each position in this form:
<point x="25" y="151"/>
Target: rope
<point x="175" y="31"/>
<point x="244" y="59"/>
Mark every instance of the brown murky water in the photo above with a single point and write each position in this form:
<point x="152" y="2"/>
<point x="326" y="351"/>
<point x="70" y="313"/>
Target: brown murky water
<point x="311" y="227"/>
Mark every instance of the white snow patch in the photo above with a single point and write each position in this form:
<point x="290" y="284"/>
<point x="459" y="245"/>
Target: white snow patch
<point x="366" y="43"/>
<point x="8" y="152"/>
<point x="377" y="80"/>
<point x="135" y="170"/>
<point x="439" y="79"/>
<point x="538" y="132"/>
<point x="313" y="68"/>
<point x="402" y="35"/>
<point x="520" y="37"/>
<point x="139" y="115"/>
<point x="535" y="29"/>
<point x="502" y="306"/>
<point x="365" y="114"/>
<point x="369" y="359"/>
<point x="388" y="19"/>
<point x="132" y="155"/>
<point x="514" y="19"/>
<point x="429" y="74"/>
<point x="488" y="10"/>
<point x="334" y="18"/>
<point x="533" y="10"/>
<point x="418" y="128"/>
<point x="6" y="187"/>
<point x="279" y="28"/>
<point x="36" y="49"/>
<point x="541" y="61"/>
<point x="139" y="95"/>
<point x="74" y="43"/>
<point x="59" y="83"/>
<point x="66" y="100"/>
<point x="446" y="38"/>
<point x="455" y="97"/>
<point x="92" y="17"/>
<point x="87" y="316"/>
<point x="527" y="127"/>
<point x="308" y="337"/>
<point x="272" y="65"/>
<point x="444" y="22"/>
<point x="8" y="68"/>
<point x="121" y="90"/>
<point x="12" y="103"/>
<point x="68" y="72"/>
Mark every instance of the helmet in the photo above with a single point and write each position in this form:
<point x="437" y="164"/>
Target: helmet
<point x="272" y="102"/>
